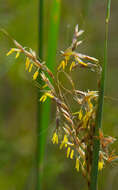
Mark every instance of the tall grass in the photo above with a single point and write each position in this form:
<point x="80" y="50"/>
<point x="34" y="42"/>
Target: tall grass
<point x="44" y="112"/>
<point x="94" y="172"/>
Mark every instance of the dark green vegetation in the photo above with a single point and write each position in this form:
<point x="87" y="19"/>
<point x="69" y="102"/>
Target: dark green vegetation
<point x="18" y="96"/>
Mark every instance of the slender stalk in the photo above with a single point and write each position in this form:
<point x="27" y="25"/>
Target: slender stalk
<point x="94" y="171"/>
<point x="53" y="34"/>
<point x="44" y="112"/>
<point x="41" y="29"/>
<point x="39" y="105"/>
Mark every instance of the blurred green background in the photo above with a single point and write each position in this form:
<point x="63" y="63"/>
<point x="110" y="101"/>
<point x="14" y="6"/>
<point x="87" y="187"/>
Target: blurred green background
<point x="18" y="95"/>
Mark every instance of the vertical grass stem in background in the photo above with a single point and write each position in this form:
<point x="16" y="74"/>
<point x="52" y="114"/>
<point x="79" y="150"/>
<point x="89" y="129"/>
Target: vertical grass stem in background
<point x="53" y="34"/>
<point x="94" y="171"/>
<point x="39" y="105"/>
<point x="51" y="62"/>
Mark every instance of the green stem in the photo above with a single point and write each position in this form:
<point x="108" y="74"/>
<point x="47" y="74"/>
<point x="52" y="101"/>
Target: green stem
<point x="39" y="105"/>
<point x="44" y="113"/>
<point x="53" y="34"/>
<point x="96" y="145"/>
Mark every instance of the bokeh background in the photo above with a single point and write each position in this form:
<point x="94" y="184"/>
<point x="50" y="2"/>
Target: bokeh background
<point x="18" y="95"/>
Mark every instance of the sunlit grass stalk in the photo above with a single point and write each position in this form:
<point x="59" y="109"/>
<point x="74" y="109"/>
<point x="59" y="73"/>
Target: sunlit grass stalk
<point x="51" y="62"/>
<point x="94" y="171"/>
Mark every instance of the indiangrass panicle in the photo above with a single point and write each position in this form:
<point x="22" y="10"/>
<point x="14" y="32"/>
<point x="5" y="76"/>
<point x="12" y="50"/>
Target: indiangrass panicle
<point x="74" y="128"/>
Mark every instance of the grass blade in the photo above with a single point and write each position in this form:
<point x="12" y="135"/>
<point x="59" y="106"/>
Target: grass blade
<point x="51" y="59"/>
<point x="94" y="172"/>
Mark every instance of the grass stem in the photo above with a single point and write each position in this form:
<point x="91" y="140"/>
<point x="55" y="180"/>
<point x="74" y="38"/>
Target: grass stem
<point x="39" y="105"/>
<point x="96" y="147"/>
<point x="44" y="112"/>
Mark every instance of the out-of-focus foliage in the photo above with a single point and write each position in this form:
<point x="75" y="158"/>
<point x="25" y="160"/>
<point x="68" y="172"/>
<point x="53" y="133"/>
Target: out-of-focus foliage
<point x="18" y="94"/>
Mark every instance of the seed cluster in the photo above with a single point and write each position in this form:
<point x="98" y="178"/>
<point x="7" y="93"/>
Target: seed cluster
<point x="74" y="129"/>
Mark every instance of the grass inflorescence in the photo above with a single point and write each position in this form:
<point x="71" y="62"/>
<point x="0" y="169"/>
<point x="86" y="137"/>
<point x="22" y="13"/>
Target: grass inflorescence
<point x="75" y="131"/>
